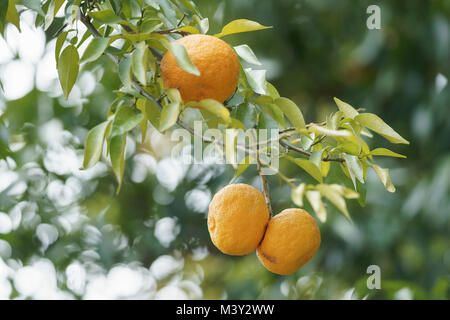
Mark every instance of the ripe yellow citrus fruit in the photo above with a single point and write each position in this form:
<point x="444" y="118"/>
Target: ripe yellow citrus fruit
<point x="291" y="239"/>
<point x="218" y="65"/>
<point x="237" y="219"/>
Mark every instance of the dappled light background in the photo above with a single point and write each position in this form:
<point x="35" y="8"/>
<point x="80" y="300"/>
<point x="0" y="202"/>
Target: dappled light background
<point x="64" y="234"/>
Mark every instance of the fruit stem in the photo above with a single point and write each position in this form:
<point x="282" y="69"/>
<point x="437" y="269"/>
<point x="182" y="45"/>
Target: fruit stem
<point x="264" y="185"/>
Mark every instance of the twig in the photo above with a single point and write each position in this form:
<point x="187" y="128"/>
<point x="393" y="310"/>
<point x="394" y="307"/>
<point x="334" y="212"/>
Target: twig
<point x="308" y="125"/>
<point x="264" y="182"/>
<point x="169" y="31"/>
<point x="318" y="141"/>
<point x="162" y="97"/>
<point x="280" y="175"/>
<point x="127" y="28"/>
<point x="265" y="187"/>
<point x="86" y="21"/>
<point x="289" y="146"/>
<point x="181" y="20"/>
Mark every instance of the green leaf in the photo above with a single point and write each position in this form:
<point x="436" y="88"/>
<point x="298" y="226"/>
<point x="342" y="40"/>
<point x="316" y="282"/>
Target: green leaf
<point x="271" y="109"/>
<point x="315" y="200"/>
<point x="240" y="25"/>
<point x="246" y="113"/>
<point x="319" y="130"/>
<point x="52" y="10"/>
<point x="168" y="13"/>
<point x="3" y="10"/>
<point x="334" y="197"/>
<point x="375" y="123"/>
<point x="105" y="16"/>
<point x="385" y="152"/>
<point x="333" y="121"/>
<point x="169" y="116"/>
<point x="59" y="43"/>
<point x="94" y="144"/>
<point x="182" y="58"/>
<point x="297" y="194"/>
<point x="125" y="71"/>
<point x="383" y="174"/>
<point x="190" y="5"/>
<point x="347" y="110"/>
<point x="12" y="15"/>
<point x="345" y="192"/>
<point x="74" y="11"/>
<point x="204" y="25"/>
<point x="95" y="49"/>
<point x="151" y="111"/>
<point x="144" y="127"/>
<point x="257" y="80"/>
<point x="85" y="36"/>
<point x="150" y="25"/>
<point x="349" y="144"/>
<point x="190" y="29"/>
<point x="309" y="167"/>
<point x="152" y="64"/>
<point x="117" y="154"/>
<point x="68" y="65"/>
<point x="213" y="107"/>
<point x="362" y="190"/>
<point x="125" y="119"/>
<point x="247" y="54"/>
<point x="243" y="165"/>
<point x="292" y="112"/>
<point x="273" y="92"/>
<point x="237" y="124"/>
<point x="265" y="122"/>
<point x="139" y="61"/>
<point x="354" y="167"/>
<point x="34" y="5"/>
<point x="316" y="157"/>
<point x="174" y="95"/>
<point x="306" y="141"/>
<point x="138" y="37"/>
<point x="325" y="168"/>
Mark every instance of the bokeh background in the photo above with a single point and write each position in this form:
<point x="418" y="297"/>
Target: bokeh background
<point x="65" y="234"/>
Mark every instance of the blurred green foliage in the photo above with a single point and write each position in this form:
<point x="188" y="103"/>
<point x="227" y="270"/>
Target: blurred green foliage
<point x="316" y="50"/>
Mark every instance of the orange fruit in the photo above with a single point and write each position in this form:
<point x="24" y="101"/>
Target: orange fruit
<point x="218" y="65"/>
<point x="237" y="219"/>
<point x="291" y="239"/>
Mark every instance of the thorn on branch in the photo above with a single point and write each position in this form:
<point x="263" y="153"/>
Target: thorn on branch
<point x="181" y="20"/>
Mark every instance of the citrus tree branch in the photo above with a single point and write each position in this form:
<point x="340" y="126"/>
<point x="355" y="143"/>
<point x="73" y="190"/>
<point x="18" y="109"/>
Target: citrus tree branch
<point x="289" y="146"/>
<point x="169" y="31"/>
<point x="157" y="102"/>
<point x="87" y="22"/>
